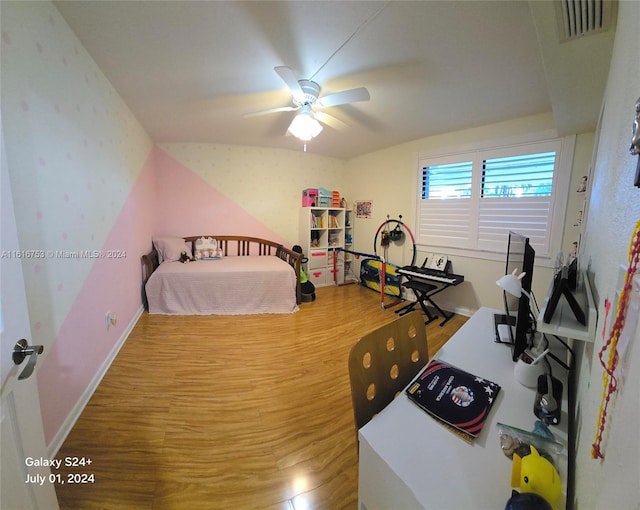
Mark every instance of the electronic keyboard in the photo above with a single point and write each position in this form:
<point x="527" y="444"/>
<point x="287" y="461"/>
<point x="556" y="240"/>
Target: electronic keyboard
<point x="435" y="275"/>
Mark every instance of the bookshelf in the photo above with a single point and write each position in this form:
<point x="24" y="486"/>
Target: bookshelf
<point x="322" y="229"/>
<point x="350" y="270"/>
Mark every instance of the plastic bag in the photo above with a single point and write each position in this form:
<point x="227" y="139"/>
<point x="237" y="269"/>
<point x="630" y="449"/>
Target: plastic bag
<point x="515" y="440"/>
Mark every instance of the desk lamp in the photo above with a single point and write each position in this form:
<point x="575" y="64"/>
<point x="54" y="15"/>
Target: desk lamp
<point x="513" y="284"/>
<point x="526" y="372"/>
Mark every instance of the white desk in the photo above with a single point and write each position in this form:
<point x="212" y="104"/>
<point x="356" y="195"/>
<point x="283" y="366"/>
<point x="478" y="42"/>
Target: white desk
<point x="410" y="461"/>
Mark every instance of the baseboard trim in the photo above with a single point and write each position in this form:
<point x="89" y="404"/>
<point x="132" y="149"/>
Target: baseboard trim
<point x="461" y="310"/>
<point x="70" y="421"/>
<point x="447" y="307"/>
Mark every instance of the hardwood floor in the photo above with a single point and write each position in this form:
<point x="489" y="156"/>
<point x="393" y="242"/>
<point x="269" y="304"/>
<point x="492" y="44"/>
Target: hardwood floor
<point x="230" y="412"/>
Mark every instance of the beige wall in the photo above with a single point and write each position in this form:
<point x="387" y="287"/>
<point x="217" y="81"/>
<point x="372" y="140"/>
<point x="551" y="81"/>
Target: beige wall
<point x="266" y="183"/>
<point x="389" y="178"/>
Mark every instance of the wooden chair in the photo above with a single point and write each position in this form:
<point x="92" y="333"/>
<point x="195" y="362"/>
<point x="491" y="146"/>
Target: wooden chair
<point x="383" y="362"/>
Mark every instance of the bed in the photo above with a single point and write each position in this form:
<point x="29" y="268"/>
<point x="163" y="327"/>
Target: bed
<point x="248" y="276"/>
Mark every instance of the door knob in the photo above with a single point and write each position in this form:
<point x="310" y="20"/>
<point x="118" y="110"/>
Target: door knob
<point x="20" y="351"/>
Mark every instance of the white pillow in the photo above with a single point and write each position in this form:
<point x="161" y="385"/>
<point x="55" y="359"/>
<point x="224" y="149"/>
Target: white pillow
<point x="170" y="248"/>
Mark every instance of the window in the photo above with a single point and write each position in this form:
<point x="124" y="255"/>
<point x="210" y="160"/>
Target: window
<point x="447" y="181"/>
<point x="471" y="200"/>
<point x="530" y="175"/>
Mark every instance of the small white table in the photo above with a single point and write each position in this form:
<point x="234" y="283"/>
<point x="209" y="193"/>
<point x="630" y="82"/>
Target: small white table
<point x="410" y="461"/>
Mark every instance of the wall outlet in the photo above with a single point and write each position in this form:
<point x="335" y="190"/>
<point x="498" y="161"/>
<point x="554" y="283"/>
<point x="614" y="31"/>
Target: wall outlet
<point x="110" y="319"/>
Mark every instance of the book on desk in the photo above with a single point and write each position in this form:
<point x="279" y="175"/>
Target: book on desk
<point x="455" y="397"/>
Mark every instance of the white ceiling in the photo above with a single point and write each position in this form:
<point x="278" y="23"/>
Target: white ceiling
<point x="189" y="71"/>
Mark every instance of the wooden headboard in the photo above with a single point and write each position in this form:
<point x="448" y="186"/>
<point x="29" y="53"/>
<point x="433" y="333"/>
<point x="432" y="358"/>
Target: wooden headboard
<point x="232" y="246"/>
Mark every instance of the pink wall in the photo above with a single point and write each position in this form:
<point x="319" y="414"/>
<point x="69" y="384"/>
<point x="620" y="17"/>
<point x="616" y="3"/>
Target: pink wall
<point x="187" y="206"/>
<point x="113" y="284"/>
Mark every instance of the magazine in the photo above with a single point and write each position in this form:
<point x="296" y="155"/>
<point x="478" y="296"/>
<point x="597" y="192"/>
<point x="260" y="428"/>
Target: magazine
<point x="453" y="396"/>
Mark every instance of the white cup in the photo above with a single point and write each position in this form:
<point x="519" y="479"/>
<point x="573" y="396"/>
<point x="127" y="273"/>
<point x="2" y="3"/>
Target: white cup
<point x="527" y="374"/>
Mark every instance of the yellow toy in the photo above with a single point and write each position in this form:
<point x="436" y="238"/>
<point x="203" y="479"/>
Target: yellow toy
<point x="533" y="473"/>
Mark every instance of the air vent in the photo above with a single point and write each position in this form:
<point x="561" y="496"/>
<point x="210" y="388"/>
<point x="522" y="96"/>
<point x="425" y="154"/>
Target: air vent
<point x="577" y="18"/>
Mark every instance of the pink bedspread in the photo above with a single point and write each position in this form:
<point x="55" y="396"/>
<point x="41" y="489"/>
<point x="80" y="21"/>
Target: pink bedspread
<point x="244" y="285"/>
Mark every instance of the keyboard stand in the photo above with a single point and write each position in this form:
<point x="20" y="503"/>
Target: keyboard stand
<point x="421" y="290"/>
<point x="447" y="316"/>
<point x="425" y="288"/>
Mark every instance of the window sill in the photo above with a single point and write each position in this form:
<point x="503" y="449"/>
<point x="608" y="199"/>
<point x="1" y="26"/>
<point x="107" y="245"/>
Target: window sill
<point x="541" y="260"/>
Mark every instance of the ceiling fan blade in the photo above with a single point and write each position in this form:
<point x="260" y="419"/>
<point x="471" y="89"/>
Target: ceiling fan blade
<point x="271" y="110"/>
<point x="330" y="121"/>
<point x="292" y="82"/>
<point x="344" y="97"/>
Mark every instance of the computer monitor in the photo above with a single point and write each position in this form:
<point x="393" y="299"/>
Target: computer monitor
<point x="517" y="314"/>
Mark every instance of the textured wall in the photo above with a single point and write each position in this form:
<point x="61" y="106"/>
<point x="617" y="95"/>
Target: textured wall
<point x="613" y="483"/>
<point x="265" y="184"/>
<point x="75" y="153"/>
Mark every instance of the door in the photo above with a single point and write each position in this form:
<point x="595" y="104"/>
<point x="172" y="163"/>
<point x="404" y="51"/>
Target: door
<point x="22" y="486"/>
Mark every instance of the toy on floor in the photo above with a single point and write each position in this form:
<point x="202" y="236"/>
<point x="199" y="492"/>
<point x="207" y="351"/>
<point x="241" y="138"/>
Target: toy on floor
<point x="307" y="288"/>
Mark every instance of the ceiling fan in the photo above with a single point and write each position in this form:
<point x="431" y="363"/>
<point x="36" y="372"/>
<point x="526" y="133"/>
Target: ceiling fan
<point x="306" y="98"/>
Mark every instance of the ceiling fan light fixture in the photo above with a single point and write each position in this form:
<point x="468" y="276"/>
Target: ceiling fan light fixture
<point x="304" y="126"/>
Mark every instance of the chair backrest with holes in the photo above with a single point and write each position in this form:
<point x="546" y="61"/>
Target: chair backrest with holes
<point x="383" y="362"/>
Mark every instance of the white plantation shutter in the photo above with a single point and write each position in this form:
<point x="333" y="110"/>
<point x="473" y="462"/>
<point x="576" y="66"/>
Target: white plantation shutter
<point x="516" y="195"/>
<point x="527" y="216"/>
<point x="473" y="200"/>
<point x="446" y="205"/>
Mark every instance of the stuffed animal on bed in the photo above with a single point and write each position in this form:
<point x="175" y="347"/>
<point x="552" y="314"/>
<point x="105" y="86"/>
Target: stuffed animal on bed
<point x="208" y="248"/>
<point x="184" y="258"/>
